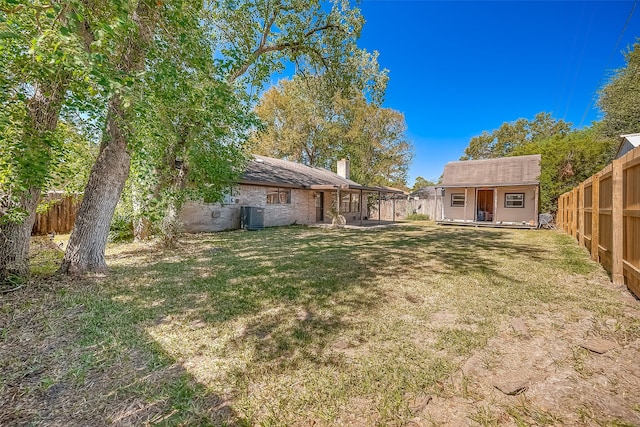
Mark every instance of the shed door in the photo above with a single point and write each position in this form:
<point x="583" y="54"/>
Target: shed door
<point x="319" y="206"/>
<point x="484" y="205"/>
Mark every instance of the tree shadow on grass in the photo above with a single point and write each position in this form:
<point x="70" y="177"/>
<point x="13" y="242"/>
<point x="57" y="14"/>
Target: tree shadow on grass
<point x="222" y="277"/>
<point x="281" y="296"/>
<point x="81" y="367"/>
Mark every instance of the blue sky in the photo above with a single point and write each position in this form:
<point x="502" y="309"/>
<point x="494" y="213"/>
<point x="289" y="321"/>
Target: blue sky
<point x="457" y="68"/>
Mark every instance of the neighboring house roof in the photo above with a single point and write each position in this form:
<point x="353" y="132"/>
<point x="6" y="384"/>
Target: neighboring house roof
<point x="424" y="192"/>
<point x="628" y="143"/>
<point x="504" y="171"/>
<point x="262" y="170"/>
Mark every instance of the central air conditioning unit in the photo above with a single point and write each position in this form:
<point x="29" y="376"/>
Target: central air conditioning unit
<point x="251" y="218"/>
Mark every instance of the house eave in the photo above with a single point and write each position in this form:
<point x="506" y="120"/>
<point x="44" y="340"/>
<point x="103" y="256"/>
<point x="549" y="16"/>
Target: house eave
<point x="270" y="184"/>
<point x="484" y="185"/>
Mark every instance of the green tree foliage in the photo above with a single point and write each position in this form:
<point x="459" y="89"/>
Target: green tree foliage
<point x="619" y="98"/>
<point x="310" y="121"/>
<point x="568" y="156"/>
<point x="191" y="128"/>
<point x="567" y="160"/>
<point x="502" y="141"/>
<point x="256" y="38"/>
<point x="70" y="167"/>
<point x="42" y="65"/>
<point x="421" y="182"/>
<point x="197" y="112"/>
<point x="246" y="41"/>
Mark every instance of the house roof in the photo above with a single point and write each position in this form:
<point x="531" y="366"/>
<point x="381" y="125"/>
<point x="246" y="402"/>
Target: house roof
<point x="262" y="170"/>
<point x="424" y="192"/>
<point x="628" y="143"/>
<point x="504" y="171"/>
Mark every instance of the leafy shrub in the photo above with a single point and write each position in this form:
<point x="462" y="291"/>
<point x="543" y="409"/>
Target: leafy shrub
<point x="418" y="217"/>
<point x="121" y="229"/>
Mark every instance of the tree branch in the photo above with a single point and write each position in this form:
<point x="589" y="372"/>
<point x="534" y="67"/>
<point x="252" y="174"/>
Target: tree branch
<point x="263" y="48"/>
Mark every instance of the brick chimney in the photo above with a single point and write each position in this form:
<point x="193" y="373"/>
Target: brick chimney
<point x="344" y="168"/>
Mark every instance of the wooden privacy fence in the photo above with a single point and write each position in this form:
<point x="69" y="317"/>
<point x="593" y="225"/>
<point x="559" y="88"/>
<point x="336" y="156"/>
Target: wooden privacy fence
<point x="60" y="215"/>
<point x="603" y="214"/>
<point x="394" y="210"/>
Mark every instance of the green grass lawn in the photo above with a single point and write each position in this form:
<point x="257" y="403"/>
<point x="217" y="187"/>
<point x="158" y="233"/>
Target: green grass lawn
<point x="309" y="326"/>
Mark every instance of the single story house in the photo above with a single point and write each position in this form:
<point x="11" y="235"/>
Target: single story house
<point x="285" y="193"/>
<point x="500" y="192"/>
<point x="628" y="143"/>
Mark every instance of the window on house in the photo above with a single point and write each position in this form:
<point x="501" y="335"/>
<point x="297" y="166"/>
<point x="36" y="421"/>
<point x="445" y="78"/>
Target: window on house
<point x="230" y="196"/>
<point x="345" y="206"/>
<point x="457" y="199"/>
<point x="514" y="200"/>
<point x="278" y="196"/>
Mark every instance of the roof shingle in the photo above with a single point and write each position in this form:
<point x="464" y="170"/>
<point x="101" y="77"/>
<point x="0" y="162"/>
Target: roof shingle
<point x="504" y="171"/>
<point x="277" y="172"/>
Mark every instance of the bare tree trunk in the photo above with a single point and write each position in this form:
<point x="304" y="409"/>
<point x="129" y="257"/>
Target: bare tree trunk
<point x="141" y="224"/>
<point x="14" y="239"/>
<point x="43" y="112"/>
<point x="88" y="241"/>
<point x="85" y="251"/>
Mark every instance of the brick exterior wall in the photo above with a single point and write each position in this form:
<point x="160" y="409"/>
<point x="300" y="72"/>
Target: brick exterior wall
<point x="199" y="217"/>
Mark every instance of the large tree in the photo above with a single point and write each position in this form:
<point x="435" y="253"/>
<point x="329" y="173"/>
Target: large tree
<point x="502" y="141"/>
<point x="568" y="156"/>
<point x="567" y="160"/>
<point x="307" y="120"/>
<point x="619" y="98"/>
<point x="42" y="62"/>
<point x="191" y="147"/>
<point x="421" y="182"/>
<point x="126" y="59"/>
<point x="249" y="39"/>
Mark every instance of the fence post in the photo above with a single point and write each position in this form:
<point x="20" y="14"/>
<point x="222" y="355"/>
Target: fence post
<point x="574" y="215"/>
<point x="595" y="217"/>
<point x="581" y="214"/>
<point x="561" y="210"/>
<point x="617" y="273"/>
<point x="562" y="213"/>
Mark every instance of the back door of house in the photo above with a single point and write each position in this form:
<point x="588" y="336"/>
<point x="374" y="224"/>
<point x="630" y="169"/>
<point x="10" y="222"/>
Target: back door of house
<point x="484" y="205"/>
<point x="320" y="206"/>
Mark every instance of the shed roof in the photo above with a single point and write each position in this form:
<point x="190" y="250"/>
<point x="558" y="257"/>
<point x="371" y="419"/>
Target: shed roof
<point x="262" y="170"/>
<point x="504" y="171"/>
<point x="628" y="143"/>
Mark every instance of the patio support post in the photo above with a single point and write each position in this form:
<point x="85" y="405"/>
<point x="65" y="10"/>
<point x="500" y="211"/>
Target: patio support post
<point x="339" y="200"/>
<point x="495" y="205"/>
<point x="535" y="207"/>
<point x="360" y="207"/>
<point x="393" y="202"/>
<point x="379" y="205"/>
<point x="466" y="202"/>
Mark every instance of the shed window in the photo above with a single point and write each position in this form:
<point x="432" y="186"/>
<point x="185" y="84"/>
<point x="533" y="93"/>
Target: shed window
<point x="457" y="199"/>
<point x="514" y="200"/>
<point x="277" y="196"/>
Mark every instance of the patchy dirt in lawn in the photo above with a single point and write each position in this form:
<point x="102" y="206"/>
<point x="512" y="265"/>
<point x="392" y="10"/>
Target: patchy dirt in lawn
<point x="537" y="371"/>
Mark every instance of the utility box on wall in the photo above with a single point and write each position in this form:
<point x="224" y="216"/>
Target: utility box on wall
<point x="251" y="218"/>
